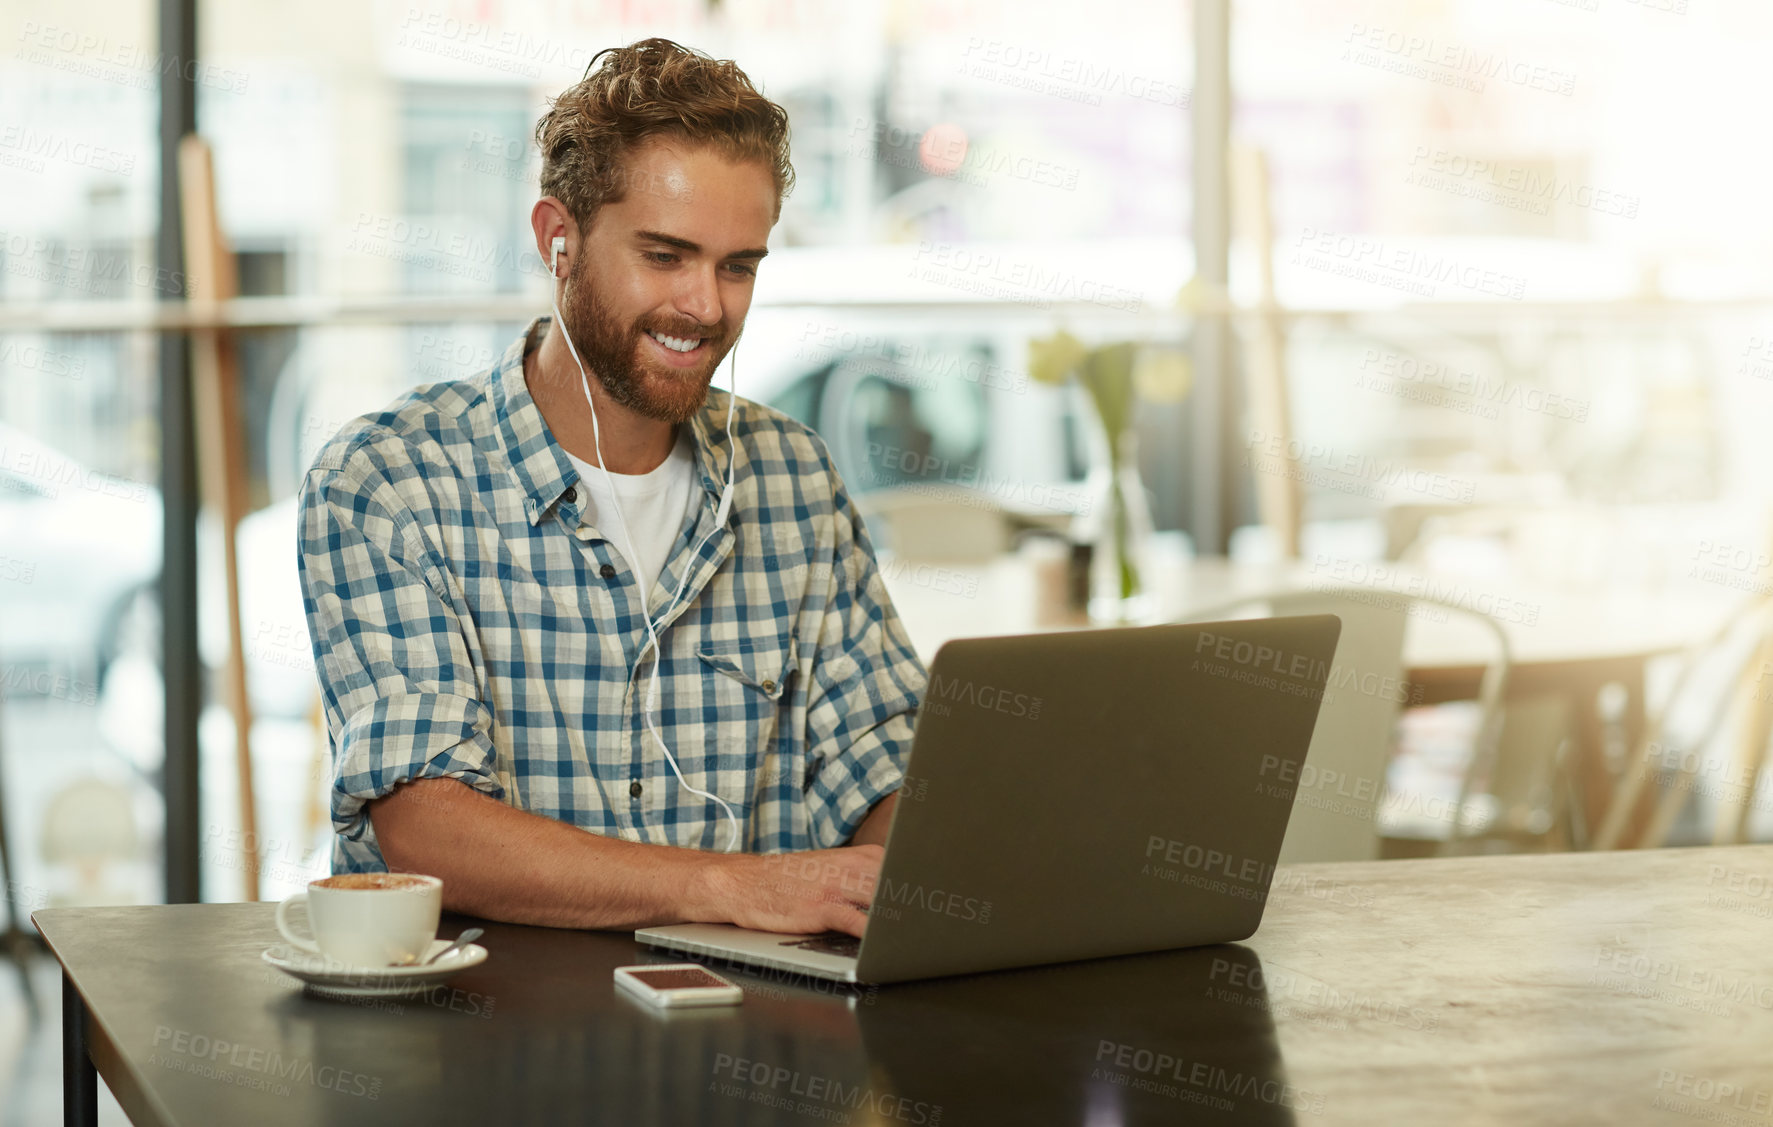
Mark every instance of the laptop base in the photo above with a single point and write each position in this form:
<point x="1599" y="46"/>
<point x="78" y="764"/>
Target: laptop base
<point x="745" y="945"/>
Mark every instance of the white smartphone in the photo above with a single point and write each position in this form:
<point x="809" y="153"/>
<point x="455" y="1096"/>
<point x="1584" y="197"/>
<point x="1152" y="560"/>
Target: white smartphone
<point x="678" y="984"/>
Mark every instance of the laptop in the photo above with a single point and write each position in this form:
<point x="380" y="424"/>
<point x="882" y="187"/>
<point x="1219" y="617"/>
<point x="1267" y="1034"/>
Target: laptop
<point x="1076" y="795"/>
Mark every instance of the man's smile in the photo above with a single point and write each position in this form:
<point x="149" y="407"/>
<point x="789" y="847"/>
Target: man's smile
<point x="679" y="352"/>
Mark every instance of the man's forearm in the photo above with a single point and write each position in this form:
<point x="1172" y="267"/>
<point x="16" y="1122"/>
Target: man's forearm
<point x="506" y="864"/>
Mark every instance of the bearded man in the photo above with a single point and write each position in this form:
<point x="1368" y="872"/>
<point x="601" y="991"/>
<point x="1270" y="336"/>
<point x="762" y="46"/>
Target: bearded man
<point x="594" y="639"/>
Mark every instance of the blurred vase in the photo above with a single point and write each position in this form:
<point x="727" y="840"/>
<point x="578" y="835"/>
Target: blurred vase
<point x="1119" y="526"/>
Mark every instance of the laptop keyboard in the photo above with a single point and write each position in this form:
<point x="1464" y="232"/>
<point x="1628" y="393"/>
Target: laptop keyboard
<point x="830" y="943"/>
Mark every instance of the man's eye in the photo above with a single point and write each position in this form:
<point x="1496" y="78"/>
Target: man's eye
<point x="660" y="256"/>
<point x="743" y="270"/>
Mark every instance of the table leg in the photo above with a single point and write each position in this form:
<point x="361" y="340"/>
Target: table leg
<point x="79" y="1077"/>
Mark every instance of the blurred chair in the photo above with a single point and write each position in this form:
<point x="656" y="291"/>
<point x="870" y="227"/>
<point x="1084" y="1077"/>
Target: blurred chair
<point x="1729" y="676"/>
<point x="1337" y="808"/>
<point x="90" y="826"/>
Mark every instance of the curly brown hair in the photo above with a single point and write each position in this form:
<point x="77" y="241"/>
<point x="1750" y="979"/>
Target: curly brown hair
<point x="654" y="88"/>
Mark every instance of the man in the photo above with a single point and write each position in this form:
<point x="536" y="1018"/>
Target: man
<point x="476" y="558"/>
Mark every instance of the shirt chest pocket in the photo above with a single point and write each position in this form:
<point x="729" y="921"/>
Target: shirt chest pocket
<point x="744" y="687"/>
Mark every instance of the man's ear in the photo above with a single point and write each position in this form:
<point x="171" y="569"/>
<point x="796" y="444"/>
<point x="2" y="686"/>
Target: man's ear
<point x="550" y="221"/>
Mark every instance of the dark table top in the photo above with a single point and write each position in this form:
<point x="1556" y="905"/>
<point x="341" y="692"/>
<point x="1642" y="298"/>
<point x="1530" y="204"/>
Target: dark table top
<point x="1604" y="988"/>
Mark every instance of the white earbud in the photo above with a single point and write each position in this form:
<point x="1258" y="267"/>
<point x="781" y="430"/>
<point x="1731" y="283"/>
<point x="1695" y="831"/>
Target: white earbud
<point x="554" y="260"/>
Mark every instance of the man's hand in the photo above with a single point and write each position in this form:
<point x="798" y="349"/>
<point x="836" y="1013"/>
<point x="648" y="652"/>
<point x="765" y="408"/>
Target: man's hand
<point x="506" y="864"/>
<point x="797" y="893"/>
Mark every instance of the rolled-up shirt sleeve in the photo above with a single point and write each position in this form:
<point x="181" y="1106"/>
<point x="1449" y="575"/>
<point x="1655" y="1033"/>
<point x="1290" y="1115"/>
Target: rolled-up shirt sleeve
<point x="397" y="679"/>
<point x="866" y="683"/>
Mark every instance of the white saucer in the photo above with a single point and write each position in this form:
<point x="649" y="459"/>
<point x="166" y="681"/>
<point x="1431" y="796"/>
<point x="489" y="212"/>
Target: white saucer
<point x="326" y="977"/>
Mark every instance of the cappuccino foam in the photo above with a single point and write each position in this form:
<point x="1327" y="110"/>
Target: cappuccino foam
<point x="402" y="882"/>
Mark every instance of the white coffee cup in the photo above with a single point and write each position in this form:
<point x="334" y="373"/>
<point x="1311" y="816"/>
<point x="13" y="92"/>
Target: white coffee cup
<point x="367" y="919"/>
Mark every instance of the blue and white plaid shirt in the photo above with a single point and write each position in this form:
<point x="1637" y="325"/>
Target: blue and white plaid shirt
<point x="468" y="625"/>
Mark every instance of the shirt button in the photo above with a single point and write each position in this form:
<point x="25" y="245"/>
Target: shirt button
<point x="769" y="686"/>
<point x="634" y="789"/>
<point x="607" y="571"/>
<point x="572" y="494"/>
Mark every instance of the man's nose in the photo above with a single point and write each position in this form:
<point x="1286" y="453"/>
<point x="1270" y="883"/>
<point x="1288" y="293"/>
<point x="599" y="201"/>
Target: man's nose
<point x="698" y="296"/>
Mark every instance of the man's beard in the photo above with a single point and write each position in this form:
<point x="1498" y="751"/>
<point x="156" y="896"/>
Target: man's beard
<point x="611" y="350"/>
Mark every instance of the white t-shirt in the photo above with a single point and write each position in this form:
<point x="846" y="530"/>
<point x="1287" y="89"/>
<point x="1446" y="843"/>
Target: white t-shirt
<point x="653" y="506"/>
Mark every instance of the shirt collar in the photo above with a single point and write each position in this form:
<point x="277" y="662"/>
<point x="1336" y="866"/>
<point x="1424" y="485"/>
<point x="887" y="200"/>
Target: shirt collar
<point x="540" y="464"/>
